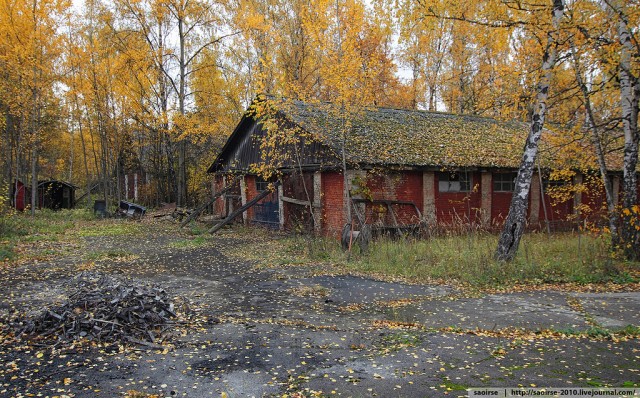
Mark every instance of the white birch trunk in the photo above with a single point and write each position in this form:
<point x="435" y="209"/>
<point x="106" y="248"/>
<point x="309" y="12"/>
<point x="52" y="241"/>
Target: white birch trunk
<point x="515" y="223"/>
<point x="595" y="138"/>
<point x="629" y="93"/>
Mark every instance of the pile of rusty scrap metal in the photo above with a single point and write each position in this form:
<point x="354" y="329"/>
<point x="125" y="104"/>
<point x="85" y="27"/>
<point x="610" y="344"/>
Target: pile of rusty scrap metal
<point x="108" y="309"/>
<point x="130" y="209"/>
<point x="171" y="212"/>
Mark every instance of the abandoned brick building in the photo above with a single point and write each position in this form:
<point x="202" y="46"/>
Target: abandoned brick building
<point x="403" y="166"/>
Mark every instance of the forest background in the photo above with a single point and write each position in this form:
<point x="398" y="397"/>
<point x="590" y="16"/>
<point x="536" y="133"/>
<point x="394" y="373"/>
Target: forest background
<point x="91" y="91"/>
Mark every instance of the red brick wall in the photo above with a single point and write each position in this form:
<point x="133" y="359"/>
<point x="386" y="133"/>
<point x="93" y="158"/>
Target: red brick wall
<point x="406" y="186"/>
<point x="332" y="208"/>
<point x="410" y="189"/>
<point x="381" y="186"/>
<point x="454" y="207"/>
<point x="556" y="211"/>
<point x="500" y="203"/>
<point x="218" y="205"/>
<point x="595" y="198"/>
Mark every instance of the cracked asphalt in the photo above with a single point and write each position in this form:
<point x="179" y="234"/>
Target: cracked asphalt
<point x="271" y="331"/>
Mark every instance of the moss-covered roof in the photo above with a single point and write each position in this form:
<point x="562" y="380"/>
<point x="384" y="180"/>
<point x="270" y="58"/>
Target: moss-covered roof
<point x="391" y="137"/>
<point x="384" y="136"/>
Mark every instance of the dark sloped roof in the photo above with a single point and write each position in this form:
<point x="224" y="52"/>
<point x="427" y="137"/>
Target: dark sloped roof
<point x="384" y="136"/>
<point x="387" y="137"/>
<point x="56" y="182"/>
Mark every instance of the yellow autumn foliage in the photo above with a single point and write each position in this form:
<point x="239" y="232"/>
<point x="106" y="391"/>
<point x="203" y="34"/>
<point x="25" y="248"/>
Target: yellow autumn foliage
<point x="116" y="92"/>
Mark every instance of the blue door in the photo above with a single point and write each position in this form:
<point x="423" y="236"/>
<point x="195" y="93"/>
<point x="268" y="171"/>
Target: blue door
<point x="266" y="211"/>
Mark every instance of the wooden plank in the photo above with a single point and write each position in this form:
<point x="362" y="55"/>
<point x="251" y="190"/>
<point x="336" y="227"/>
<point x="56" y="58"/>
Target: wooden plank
<point x="243" y="196"/>
<point x="200" y="209"/>
<point x="85" y="194"/>
<point x="296" y="201"/>
<point x="393" y="214"/>
<point x="244" y="208"/>
<point x="317" y="203"/>
<point x="281" y="206"/>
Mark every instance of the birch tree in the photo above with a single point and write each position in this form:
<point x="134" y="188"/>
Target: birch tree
<point x="515" y="222"/>
<point x="629" y="101"/>
<point x="593" y="126"/>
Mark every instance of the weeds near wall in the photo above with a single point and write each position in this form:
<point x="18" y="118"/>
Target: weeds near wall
<point x="468" y="259"/>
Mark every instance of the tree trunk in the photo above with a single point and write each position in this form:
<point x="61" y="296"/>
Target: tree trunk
<point x="10" y="178"/>
<point x="629" y="93"/>
<point x="516" y="219"/>
<point x="346" y="194"/>
<point x="84" y="150"/>
<point x="118" y="174"/>
<point x="94" y="150"/>
<point x="34" y="177"/>
<point x="595" y="138"/>
<point x="182" y="143"/>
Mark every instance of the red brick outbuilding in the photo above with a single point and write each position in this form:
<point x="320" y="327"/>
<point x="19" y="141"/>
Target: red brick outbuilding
<point x="455" y="169"/>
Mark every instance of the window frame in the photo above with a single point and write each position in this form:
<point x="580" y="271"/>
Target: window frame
<point x="261" y="184"/>
<point x="463" y="179"/>
<point x="500" y="184"/>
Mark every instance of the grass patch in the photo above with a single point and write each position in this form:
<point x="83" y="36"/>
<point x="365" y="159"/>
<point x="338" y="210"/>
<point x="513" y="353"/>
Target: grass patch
<point x="629" y="330"/>
<point x="397" y="341"/>
<point x="46" y="225"/>
<point x="451" y="386"/>
<point x="66" y="215"/>
<point x="50" y="233"/>
<point x="198" y="241"/>
<point x="197" y="229"/>
<point x="110" y="228"/>
<point x="6" y="252"/>
<point x="599" y="332"/>
<point x="468" y="259"/>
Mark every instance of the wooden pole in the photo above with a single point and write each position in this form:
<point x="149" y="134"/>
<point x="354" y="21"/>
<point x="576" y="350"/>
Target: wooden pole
<point x="252" y="202"/>
<point x="200" y="209"/>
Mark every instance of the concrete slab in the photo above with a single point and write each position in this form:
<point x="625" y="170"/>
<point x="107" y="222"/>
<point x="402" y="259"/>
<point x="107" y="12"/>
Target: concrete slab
<point x="530" y="311"/>
<point x="612" y="310"/>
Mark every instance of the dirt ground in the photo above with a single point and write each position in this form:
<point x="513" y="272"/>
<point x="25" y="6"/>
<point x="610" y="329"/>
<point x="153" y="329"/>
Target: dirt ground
<point x="306" y="331"/>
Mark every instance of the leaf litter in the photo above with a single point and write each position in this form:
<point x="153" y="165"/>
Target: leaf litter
<point x="256" y="339"/>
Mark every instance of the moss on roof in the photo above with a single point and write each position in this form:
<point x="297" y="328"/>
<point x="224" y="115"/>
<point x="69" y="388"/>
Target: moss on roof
<point x="396" y="137"/>
<point x="384" y="136"/>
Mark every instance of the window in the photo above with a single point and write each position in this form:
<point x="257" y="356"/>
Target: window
<point x="261" y="185"/>
<point x="547" y="183"/>
<point x="454" y="182"/>
<point x="504" y="182"/>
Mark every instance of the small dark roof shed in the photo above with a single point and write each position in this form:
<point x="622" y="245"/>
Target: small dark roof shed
<point x="56" y="194"/>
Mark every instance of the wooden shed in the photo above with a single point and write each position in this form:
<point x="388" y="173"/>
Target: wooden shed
<point x="56" y="194"/>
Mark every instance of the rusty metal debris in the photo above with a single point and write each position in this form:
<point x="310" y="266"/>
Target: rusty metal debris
<point x="108" y="309"/>
<point x="131" y="210"/>
<point x="170" y="211"/>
